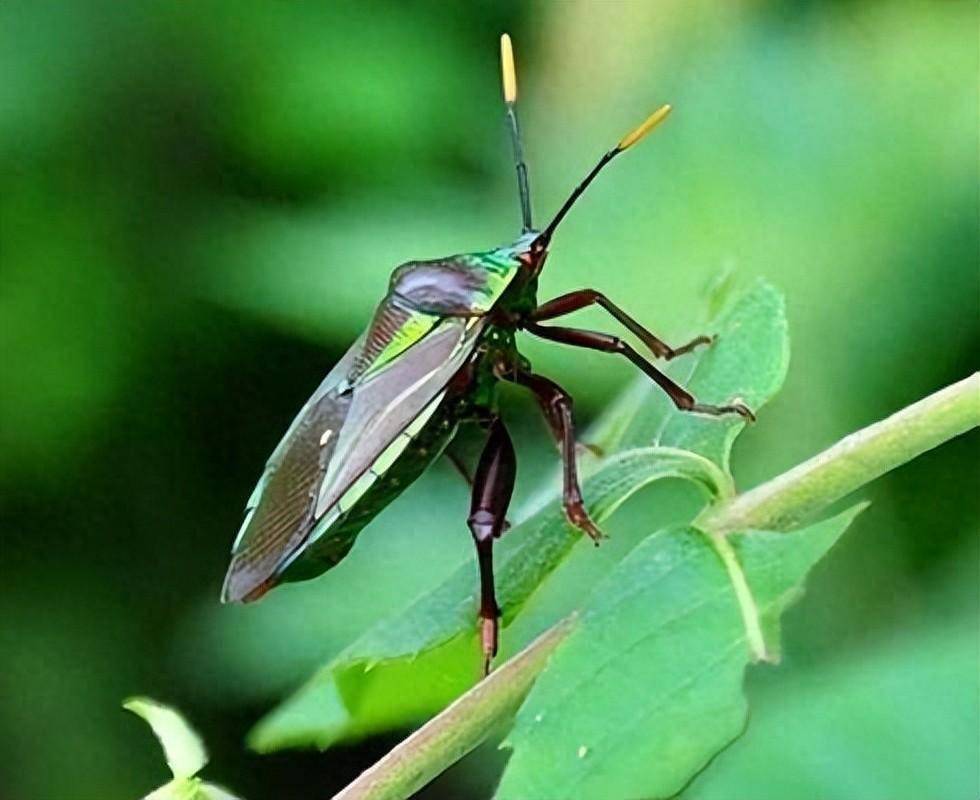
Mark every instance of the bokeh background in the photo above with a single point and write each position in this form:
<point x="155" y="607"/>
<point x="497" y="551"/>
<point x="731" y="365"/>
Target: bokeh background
<point x="201" y="203"/>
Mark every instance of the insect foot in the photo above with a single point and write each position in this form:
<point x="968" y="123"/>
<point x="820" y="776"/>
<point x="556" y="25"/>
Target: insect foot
<point x="593" y="449"/>
<point x="696" y="342"/>
<point x="744" y="411"/>
<point x="716" y="411"/>
<point x="488" y="641"/>
<point x="576" y="514"/>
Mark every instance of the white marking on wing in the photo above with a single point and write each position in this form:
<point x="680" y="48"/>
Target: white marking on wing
<point x="341" y="457"/>
<point x="382" y="463"/>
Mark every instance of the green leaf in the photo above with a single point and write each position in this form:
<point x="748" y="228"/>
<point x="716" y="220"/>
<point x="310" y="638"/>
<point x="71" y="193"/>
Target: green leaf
<point x="908" y="706"/>
<point x="363" y="689"/>
<point x="648" y="687"/>
<point x="182" y="747"/>
<point x="747" y="362"/>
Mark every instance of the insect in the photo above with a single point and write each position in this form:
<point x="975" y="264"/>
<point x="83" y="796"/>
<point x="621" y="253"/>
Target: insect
<point x="440" y="342"/>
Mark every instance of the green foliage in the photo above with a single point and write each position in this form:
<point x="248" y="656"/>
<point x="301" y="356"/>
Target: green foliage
<point x="748" y="362"/>
<point x="182" y="747"/>
<point x="800" y="718"/>
<point x="648" y="687"/>
<point x="431" y="644"/>
<point x="645" y="685"/>
<point x="413" y="662"/>
<point x="184" y="752"/>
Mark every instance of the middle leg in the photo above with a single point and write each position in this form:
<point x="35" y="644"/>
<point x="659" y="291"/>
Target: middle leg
<point x="573" y="301"/>
<point x="556" y="404"/>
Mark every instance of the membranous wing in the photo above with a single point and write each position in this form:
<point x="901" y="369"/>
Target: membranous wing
<point x="356" y="419"/>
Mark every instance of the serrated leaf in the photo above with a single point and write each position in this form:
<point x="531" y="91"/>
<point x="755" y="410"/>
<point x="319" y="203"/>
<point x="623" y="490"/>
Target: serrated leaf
<point x="648" y="687"/>
<point x="363" y="689"/>
<point x="776" y="564"/>
<point x="182" y="747"/>
<point x="908" y="705"/>
<point x="747" y="362"/>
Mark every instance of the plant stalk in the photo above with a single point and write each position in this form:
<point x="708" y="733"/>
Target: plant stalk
<point x="788" y="499"/>
<point x="459" y="729"/>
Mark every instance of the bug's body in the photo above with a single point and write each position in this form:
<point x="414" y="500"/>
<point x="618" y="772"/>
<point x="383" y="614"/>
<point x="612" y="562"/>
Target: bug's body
<point x="464" y="302"/>
<point x="439" y="342"/>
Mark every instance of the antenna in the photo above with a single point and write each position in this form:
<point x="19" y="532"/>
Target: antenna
<point x="625" y="143"/>
<point x="509" y="76"/>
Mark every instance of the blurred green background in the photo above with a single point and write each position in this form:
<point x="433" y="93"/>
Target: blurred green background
<point x="201" y="203"/>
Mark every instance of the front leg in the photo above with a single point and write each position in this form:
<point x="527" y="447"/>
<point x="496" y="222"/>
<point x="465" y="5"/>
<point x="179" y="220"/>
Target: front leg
<point x="556" y="404"/>
<point x="573" y="301"/>
<point x="593" y="340"/>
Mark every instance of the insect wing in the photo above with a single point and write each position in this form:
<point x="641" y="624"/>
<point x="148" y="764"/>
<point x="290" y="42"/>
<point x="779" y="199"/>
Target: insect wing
<point x="389" y="402"/>
<point x="334" y="440"/>
<point x="277" y="512"/>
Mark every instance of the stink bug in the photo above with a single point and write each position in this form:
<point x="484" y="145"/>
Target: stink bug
<point x="441" y="340"/>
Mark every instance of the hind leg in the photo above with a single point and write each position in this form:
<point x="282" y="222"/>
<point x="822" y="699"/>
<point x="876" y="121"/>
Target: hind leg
<point x="493" y="485"/>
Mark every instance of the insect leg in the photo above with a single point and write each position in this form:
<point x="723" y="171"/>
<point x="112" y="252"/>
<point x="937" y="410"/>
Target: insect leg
<point x="493" y="486"/>
<point x="573" y="301"/>
<point x="557" y="406"/>
<point x="613" y="344"/>
<point x="459" y="462"/>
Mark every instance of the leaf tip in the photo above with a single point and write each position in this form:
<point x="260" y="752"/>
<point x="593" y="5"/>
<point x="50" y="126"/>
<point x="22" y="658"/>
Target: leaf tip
<point x="182" y="747"/>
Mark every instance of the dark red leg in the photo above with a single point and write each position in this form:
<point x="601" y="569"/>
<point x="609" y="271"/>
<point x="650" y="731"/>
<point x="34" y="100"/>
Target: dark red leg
<point x="612" y="344"/>
<point x="573" y="301"/>
<point x="557" y="406"/>
<point x="493" y="486"/>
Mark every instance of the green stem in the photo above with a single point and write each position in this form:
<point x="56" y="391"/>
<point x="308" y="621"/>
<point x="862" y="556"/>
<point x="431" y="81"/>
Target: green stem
<point x="854" y="461"/>
<point x="459" y="729"/>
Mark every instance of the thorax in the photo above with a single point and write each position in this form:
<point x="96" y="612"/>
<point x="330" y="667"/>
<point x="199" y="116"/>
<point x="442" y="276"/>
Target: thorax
<point x="493" y="285"/>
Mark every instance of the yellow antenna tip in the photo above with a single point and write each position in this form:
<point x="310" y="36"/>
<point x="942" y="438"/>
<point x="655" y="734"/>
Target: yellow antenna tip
<point x="645" y="127"/>
<point x="507" y="70"/>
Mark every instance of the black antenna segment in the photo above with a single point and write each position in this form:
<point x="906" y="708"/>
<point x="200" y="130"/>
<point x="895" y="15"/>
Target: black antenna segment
<point x="625" y="143"/>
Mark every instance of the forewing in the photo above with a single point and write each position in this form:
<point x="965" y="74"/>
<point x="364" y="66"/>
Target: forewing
<point x="387" y="402"/>
<point x="335" y="440"/>
<point x="277" y="514"/>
